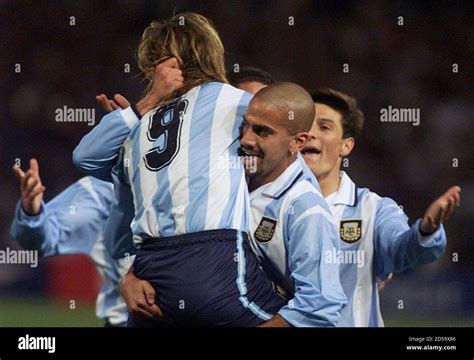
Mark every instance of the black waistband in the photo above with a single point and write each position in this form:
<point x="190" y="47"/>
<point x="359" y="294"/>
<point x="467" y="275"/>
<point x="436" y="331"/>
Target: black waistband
<point x="201" y="237"/>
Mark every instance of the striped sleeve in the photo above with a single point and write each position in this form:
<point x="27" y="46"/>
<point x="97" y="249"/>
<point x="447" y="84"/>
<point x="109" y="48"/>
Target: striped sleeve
<point x="399" y="246"/>
<point x="97" y="152"/>
<point x="68" y="224"/>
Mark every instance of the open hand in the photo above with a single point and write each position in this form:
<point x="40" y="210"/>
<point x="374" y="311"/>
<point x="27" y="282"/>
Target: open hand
<point x="440" y="210"/>
<point x="31" y="188"/>
<point x="119" y="102"/>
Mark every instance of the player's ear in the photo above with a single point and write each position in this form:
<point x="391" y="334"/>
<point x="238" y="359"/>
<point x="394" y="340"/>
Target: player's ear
<point x="299" y="142"/>
<point x="347" y="146"/>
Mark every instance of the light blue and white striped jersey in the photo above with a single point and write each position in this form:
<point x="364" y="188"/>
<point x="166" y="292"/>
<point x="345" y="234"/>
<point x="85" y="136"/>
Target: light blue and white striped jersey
<point x="173" y="162"/>
<point x="291" y="230"/>
<point x="73" y="223"/>
<point x="375" y="241"/>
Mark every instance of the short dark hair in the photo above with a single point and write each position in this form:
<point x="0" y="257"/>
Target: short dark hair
<point x="247" y="74"/>
<point x="352" y="116"/>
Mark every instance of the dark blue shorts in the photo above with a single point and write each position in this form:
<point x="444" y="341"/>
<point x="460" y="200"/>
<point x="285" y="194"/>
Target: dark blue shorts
<point x="210" y="278"/>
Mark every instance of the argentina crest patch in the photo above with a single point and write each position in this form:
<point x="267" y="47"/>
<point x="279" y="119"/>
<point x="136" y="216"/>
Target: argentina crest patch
<point x="265" y="230"/>
<point x="350" y="230"/>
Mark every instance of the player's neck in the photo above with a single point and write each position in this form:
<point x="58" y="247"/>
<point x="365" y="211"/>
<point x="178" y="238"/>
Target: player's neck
<point x="255" y="183"/>
<point x="330" y="182"/>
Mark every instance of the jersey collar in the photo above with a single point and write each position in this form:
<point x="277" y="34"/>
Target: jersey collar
<point x="286" y="180"/>
<point x="347" y="192"/>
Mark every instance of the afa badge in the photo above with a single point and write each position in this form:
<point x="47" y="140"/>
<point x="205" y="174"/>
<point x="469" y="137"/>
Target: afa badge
<point x="350" y="230"/>
<point x="265" y="230"/>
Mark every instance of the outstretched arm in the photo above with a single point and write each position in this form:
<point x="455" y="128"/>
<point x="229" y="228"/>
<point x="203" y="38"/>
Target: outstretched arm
<point x="28" y="224"/>
<point x="68" y="224"/>
<point x="440" y="210"/>
<point x="399" y="246"/>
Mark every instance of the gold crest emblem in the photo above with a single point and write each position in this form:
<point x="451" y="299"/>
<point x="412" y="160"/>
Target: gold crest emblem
<point x="265" y="230"/>
<point x="350" y="230"/>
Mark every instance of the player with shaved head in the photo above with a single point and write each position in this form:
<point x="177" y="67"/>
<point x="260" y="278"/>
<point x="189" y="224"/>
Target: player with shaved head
<point x="291" y="227"/>
<point x="288" y="104"/>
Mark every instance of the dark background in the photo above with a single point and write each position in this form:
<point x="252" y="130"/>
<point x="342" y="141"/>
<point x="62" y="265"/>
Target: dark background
<point x="409" y="66"/>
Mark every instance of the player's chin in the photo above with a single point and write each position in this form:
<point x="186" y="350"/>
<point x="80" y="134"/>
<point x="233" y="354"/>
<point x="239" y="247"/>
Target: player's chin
<point x="317" y="167"/>
<point x="251" y="164"/>
<point x="252" y="171"/>
<point x="311" y="160"/>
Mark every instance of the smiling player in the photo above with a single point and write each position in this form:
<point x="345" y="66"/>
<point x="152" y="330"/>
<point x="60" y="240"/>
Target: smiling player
<point x="375" y="236"/>
<point x="291" y="227"/>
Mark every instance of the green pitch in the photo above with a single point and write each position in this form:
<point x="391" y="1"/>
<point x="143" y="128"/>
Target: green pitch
<point x="37" y="313"/>
<point x="44" y="313"/>
<point x="433" y="321"/>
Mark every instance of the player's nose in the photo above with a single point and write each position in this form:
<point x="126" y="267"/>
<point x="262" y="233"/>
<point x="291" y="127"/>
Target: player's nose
<point x="312" y="135"/>
<point x="248" y="139"/>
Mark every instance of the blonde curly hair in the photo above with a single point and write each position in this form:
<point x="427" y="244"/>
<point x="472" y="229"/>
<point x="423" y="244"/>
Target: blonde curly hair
<point x="193" y="41"/>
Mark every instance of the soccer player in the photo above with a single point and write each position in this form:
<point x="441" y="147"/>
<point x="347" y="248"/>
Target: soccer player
<point x="291" y="227"/>
<point x="191" y="217"/>
<point x="72" y="223"/>
<point x="249" y="79"/>
<point x="375" y="236"/>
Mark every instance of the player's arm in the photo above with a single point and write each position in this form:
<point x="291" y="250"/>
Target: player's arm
<point x="318" y="297"/>
<point x="30" y="210"/>
<point x="399" y="246"/>
<point x="118" y="237"/>
<point x="97" y="152"/>
<point x="68" y="224"/>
